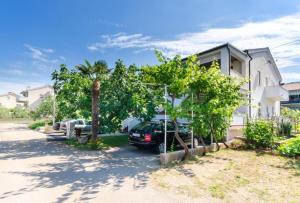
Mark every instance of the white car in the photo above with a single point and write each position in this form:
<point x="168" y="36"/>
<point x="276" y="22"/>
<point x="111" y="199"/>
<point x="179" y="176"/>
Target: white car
<point x="79" y="123"/>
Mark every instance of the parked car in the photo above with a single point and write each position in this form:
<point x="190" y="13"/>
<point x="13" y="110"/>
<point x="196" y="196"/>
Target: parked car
<point x="85" y="125"/>
<point x="151" y="134"/>
<point x="56" y="126"/>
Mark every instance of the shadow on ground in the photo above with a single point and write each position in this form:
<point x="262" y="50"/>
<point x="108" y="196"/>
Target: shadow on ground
<point x="86" y="172"/>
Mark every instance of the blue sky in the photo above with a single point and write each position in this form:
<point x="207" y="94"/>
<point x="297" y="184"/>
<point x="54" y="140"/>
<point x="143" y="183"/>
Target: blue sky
<point x="37" y="36"/>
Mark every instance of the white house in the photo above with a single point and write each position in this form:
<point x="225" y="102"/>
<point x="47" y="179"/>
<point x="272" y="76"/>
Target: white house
<point x="34" y="96"/>
<point x="11" y="100"/>
<point x="263" y="91"/>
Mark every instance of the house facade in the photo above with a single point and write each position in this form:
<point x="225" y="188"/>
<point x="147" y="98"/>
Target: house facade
<point x="30" y="98"/>
<point x="34" y="96"/>
<point x="294" y="95"/>
<point x="11" y="100"/>
<point x="259" y="68"/>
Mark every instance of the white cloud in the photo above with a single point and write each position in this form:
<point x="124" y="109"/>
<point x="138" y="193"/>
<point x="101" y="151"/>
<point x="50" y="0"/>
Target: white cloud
<point x="270" y="33"/>
<point x="292" y="76"/>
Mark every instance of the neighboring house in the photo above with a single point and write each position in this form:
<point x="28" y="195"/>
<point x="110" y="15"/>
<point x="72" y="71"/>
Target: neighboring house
<point x="294" y="95"/>
<point x="10" y="100"/>
<point x="34" y="96"/>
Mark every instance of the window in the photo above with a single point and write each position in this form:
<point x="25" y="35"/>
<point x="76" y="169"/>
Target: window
<point x="267" y="82"/>
<point x="259" y="78"/>
<point x="41" y="96"/>
<point x="267" y="110"/>
<point x="259" y="110"/>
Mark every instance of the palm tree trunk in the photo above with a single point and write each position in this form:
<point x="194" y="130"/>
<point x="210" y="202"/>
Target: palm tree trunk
<point x="95" y="109"/>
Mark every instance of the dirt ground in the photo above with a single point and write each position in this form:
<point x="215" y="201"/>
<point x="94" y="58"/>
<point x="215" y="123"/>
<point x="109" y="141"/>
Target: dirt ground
<point x="33" y="169"/>
<point x="233" y="176"/>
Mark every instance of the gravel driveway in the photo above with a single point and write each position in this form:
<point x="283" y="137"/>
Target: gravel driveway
<point x="35" y="170"/>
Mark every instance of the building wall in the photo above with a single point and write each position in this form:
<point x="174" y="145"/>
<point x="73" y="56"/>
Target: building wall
<point x="262" y="75"/>
<point x="36" y="96"/>
<point x="8" y="101"/>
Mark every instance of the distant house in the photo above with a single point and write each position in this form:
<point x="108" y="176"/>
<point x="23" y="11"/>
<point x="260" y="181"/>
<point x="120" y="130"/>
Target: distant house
<point x="11" y="100"/>
<point x="34" y="96"/>
<point x="294" y="95"/>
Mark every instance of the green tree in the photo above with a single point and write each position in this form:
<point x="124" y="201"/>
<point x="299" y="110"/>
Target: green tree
<point x="73" y="93"/>
<point x="216" y="98"/>
<point x="45" y="109"/>
<point x="95" y="73"/>
<point x="124" y="95"/>
<point x="175" y="74"/>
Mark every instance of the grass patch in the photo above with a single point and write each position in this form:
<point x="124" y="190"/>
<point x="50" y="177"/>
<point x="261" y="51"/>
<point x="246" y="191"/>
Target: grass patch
<point x="102" y="143"/>
<point x="229" y="175"/>
<point x="218" y="191"/>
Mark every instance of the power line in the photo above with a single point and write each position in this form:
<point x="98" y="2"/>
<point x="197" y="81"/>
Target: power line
<point x="291" y="42"/>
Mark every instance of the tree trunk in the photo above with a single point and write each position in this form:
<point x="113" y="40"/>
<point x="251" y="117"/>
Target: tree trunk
<point x="178" y="138"/>
<point x="181" y="142"/>
<point x="213" y="135"/>
<point x="95" y="109"/>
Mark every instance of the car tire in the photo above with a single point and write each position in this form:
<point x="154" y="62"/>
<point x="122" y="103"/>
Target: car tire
<point x="195" y="142"/>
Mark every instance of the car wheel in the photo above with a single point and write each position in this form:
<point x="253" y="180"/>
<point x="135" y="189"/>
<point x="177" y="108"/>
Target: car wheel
<point x="196" y="142"/>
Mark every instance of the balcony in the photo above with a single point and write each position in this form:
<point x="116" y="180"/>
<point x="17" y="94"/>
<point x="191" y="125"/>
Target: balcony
<point x="276" y="93"/>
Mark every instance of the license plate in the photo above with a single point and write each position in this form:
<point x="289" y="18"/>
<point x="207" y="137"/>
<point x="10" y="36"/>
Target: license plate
<point x="136" y="135"/>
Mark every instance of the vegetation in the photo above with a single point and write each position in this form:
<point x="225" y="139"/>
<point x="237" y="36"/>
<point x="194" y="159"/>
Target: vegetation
<point x="232" y="176"/>
<point x="291" y="147"/>
<point x="215" y="98"/>
<point x="259" y="133"/>
<point x="45" y="109"/>
<point x="102" y="143"/>
<point x="17" y="112"/>
<point x="173" y="73"/>
<point x="123" y="94"/>
<point x="285" y="128"/>
<point x="95" y="73"/>
<point x="40" y="123"/>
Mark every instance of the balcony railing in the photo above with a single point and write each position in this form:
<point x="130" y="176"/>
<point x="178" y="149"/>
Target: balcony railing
<point x="276" y="93"/>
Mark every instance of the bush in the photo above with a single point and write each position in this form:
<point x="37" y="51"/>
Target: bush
<point x="259" y="133"/>
<point x="19" y="112"/>
<point x="4" y="113"/>
<point x="290" y="147"/>
<point x="38" y="124"/>
<point x="285" y="128"/>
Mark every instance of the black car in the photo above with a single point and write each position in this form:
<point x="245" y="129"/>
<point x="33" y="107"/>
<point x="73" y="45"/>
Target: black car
<point x="151" y="134"/>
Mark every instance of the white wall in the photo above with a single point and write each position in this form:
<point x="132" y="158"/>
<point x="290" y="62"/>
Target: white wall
<point x="8" y="101"/>
<point x="36" y="96"/>
<point x="267" y="78"/>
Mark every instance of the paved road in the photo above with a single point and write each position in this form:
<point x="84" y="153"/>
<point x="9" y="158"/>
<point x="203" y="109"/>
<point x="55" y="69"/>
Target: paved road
<point x="33" y="169"/>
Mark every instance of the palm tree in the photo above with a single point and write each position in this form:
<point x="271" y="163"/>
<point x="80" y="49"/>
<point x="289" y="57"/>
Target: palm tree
<point x="95" y="72"/>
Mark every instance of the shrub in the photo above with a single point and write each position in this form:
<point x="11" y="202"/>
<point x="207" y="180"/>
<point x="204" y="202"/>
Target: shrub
<point x="290" y="147"/>
<point x="285" y="128"/>
<point x="37" y="124"/>
<point x="259" y="133"/>
<point x="4" y="113"/>
<point x="19" y="112"/>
